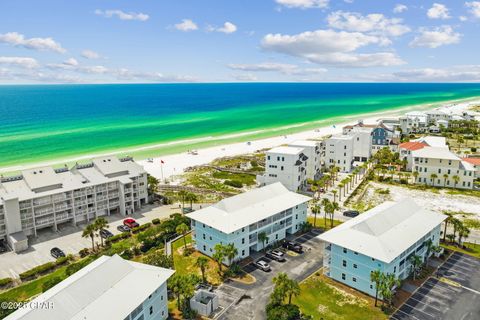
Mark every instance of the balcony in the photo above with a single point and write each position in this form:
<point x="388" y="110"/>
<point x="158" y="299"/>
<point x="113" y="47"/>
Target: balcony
<point x="24" y="205"/>
<point x="79" y="194"/>
<point x="101" y="189"/>
<point x="41" y="202"/>
<point x="101" y="198"/>
<point x="43" y="212"/>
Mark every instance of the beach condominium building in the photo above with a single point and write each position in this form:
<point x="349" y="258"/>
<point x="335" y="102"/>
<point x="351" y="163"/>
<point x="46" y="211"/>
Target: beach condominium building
<point x="287" y="165"/>
<point x="107" y="288"/>
<point x="272" y="210"/>
<point x="313" y="150"/>
<point x="384" y="238"/>
<point x="45" y="197"/>
<point x="438" y="166"/>
<point x="382" y="136"/>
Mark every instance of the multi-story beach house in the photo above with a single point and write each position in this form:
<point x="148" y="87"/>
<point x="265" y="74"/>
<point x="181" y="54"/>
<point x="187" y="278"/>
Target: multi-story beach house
<point x="313" y="150"/>
<point x="384" y="238"/>
<point x="405" y="149"/>
<point x="438" y="166"/>
<point x="46" y="198"/>
<point x="382" y="136"/>
<point x="108" y="288"/>
<point x="287" y="165"/>
<point x="415" y="121"/>
<point x="272" y="210"/>
<point x="475" y="162"/>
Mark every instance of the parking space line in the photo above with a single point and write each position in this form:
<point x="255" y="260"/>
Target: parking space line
<point x="408" y="314"/>
<point x="416" y="309"/>
<point x="423" y="302"/>
<point x="459" y="266"/>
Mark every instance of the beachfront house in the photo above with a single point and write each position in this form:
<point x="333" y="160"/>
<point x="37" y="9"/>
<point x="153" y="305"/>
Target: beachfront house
<point x="384" y="238"/>
<point x="313" y="150"/>
<point x="438" y="166"/>
<point x="107" y="288"/>
<point x="287" y="165"/>
<point x="475" y="162"/>
<point x="272" y="210"/>
<point x="382" y="136"/>
<point x="44" y="197"/>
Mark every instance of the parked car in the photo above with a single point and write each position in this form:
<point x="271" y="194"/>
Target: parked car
<point x="294" y="246"/>
<point x="276" y="255"/>
<point x="105" y="234"/>
<point x="263" y="265"/>
<point x="351" y="213"/>
<point x="204" y="286"/>
<point x="131" y="223"/>
<point x="57" y="253"/>
<point x="123" y="228"/>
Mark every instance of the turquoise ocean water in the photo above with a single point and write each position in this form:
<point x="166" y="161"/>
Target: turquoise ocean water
<point x="51" y="122"/>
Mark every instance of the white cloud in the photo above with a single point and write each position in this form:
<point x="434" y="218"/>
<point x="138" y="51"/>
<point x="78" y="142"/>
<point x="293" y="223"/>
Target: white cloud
<point x="474" y="7"/>
<point x="122" y="15"/>
<point x="399" y="8"/>
<point x="43" y="44"/>
<point x="245" y="77"/>
<point x="436" y="37"/>
<point x="89" y="54"/>
<point x="330" y="47"/>
<point x="227" y="27"/>
<point x="285" y="68"/>
<point x="438" y="11"/>
<point x="71" y="62"/>
<point x="450" y="74"/>
<point x="186" y="25"/>
<point x="463" y="18"/>
<point x="373" y="23"/>
<point x="303" y="4"/>
<point x="22" y="62"/>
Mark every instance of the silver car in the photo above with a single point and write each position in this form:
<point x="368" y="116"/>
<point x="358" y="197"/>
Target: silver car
<point x="263" y="265"/>
<point x="276" y="255"/>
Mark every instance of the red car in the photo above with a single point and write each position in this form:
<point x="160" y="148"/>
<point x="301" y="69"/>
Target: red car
<point x="131" y="223"/>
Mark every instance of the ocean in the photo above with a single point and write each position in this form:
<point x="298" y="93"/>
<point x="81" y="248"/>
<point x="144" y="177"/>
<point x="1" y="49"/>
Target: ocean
<point x="40" y="123"/>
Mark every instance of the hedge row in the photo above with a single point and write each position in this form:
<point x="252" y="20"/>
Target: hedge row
<point x="156" y="221"/>
<point x="142" y="227"/>
<point x="41" y="269"/>
<point x="5" y="282"/>
<point x="118" y="237"/>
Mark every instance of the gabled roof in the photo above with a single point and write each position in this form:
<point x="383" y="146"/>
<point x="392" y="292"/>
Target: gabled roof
<point x="412" y="145"/>
<point x="385" y="231"/>
<point x="435" y="153"/>
<point x="108" y="288"/>
<point x="440" y="142"/>
<point x="234" y="213"/>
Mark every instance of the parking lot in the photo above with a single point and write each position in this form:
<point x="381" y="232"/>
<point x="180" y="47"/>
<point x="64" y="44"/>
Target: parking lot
<point x="69" y="239"/>
<point x="455" y="294"/>
<point x="242" y="301"/>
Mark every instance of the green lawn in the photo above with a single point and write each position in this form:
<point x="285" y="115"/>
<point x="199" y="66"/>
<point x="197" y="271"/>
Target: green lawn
<point x="321" y="222"/>
<point x="472" y="249"/>
<point x="320" y="299"/>
<point x="186" y="264"/>
<point x="245" y="178"/>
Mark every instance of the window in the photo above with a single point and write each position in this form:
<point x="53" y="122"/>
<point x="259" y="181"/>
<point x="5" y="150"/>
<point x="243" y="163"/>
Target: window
<point x="203" y="236"/>
<point x="268" y="157"/>
<point x="344" y="250"/>
<point x="343" y="276"/>
<point x="354" y="266"/>
<point x="151" y="310"/>
<point x="204" y="248"/>
<point x="344" y="263"/>
<point x="243" y="252"/>
<point x="354" y="279"/>
<point x="243" y="240"/>
<point x="356" y="253"/>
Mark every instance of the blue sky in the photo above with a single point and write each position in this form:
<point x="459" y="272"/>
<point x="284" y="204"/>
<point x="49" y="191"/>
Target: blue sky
<point x="238" y="40"/>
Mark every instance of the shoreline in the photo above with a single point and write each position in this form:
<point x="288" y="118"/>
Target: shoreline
<point x="235" y="143"/>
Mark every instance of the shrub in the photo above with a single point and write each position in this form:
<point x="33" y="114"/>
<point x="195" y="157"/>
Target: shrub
<point x="84" y="252"/>
<point x="156" y="221"/>
<point x="473" y="149"/>
<point x="5" y="282"/>
<point x="41" y="269"/>
<point x="233" y="183"/>
<point x="74" y="267"/>
<point x="50" y="283"/>
<point x="62" y="260"/>
<point x="282" y="312"/>
<point x="118" y="237"/>
<point x="141" y="227"/>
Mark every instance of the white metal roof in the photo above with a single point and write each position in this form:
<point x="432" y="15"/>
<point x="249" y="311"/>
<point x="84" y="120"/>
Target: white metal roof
<point x="385" y="231"/>
<point x="440" y="142"/>
<point x="435" y="153"/>
<point x="286" y="150"/>
<point x="41" y="177"/>
<point x="108" y="288"/>
<point x="304" y="143"/>
<point x="239" y="211"/>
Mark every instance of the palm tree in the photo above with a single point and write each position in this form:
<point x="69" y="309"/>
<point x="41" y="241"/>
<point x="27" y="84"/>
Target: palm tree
<point x="416" y="262"/>
<point x="415" y="175"/>
<point x="340" y="187"/>
<point x="430" y="248"/>
<point x="89" y="231"/>
<point x="182" y="229"/>
<point x="330" y="208"/>
<point x="445" y="177"/>
<point x="202" y="263"/>
<point x="230" y="252"/>
<point x="101" y="223"/>
<point x="451" y="238"/>
<point x="293" y="289"/>
<point x="262" y="236"/>
<point x="456" y="180"/>
<point x="315" y="210"/>
<point x="433" y="176"/>
<point x="280" y="289"/>
<point x="376" y="277"/>
<point x="191" y="197"/>
<point x="334" y="192"/>
<point x="463" y="233"/>
<point x="182" y="194"/>
<point x="457" y="224"/>
<point x="325" y="203"/>
<point x="218" y="255"/>
<point x="390" y="281"/>
<point x="448" y="220"/>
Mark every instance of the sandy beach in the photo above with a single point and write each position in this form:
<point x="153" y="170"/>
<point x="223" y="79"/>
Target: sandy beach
<point x="175" y="164"/>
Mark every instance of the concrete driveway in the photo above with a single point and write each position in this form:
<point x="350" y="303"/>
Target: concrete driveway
<point x="242" y="301"/>
<point x="69" y="239"/>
